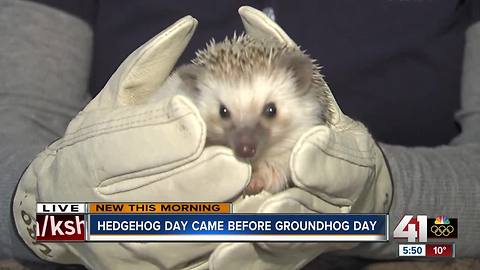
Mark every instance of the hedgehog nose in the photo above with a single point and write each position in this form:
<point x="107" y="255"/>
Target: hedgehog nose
<point x="244" y="142"/>
<point x="245" y="150"/>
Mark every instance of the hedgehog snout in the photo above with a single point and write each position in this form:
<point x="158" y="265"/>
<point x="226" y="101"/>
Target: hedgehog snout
<point x="245" y="150"/>
<point x="245" y="142"/>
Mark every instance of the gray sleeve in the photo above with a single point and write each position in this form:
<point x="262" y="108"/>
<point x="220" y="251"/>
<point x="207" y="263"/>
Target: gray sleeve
<point x="445" y="180"/>
<point x="44" y="64"/>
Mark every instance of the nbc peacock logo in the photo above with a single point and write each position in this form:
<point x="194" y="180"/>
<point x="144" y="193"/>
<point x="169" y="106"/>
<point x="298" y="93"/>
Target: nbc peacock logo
<point x="442" y="227"/>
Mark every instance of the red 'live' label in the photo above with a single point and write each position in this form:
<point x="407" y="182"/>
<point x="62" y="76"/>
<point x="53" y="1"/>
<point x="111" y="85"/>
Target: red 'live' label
<point x="60" y="227"/>
<point x="440" y="250"/>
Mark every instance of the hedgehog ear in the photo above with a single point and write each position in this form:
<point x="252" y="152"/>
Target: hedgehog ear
<point x="189" y="75"/>
<point x="302" y="69"/>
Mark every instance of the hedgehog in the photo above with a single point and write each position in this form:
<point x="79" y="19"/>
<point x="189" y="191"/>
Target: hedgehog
<point x="256" y="97"/>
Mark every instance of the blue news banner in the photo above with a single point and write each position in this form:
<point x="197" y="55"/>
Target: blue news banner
<point x="237" y="227"/>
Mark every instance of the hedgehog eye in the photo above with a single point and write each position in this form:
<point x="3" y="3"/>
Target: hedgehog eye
<point x="270" y="110"/>
<point x="224" y="112"/>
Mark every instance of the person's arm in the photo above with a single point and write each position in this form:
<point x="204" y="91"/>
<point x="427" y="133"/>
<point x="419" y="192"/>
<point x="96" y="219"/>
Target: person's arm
<point x="44" y="69"/>
<point x="445" y="180"/>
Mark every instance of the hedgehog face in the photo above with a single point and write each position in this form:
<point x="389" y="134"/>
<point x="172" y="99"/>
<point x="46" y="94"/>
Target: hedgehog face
<point x="252" y="97"/>
<point x="251" y="114"/>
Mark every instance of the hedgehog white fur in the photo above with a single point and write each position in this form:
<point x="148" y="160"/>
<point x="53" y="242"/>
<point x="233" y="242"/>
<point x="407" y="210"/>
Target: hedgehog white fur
<point x="257" y="97"/>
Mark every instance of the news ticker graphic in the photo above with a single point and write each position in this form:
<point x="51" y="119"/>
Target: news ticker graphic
<point x="198" y="222"/>
<point x="427" y="250"/>
<point x="237" y="227"/>
<point x="420" y="228"/>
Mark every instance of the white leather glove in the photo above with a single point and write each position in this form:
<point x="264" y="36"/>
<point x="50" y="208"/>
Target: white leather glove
<point x="119" y="148"/>
<point x="337" y="168"/>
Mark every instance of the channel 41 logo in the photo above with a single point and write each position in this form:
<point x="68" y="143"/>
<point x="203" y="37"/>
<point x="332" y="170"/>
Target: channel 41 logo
<point x="420" y="228"/>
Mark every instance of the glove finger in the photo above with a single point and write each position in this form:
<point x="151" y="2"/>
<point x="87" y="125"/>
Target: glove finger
<point x="117" y="144"/>
<point x="146" y="68"/>
<point x="171" y="255"/>
<point x="250" y="204"/>
<point x="242" y="256"/>
<point x="296" y="200"/>
<point x="251" y="256"/>
<point x="323" y="160"/>
<point x="216" y="176"/>
<point x="107" y="256"/>
<point x="259" y="26"/>
<point x="145" y="256"/>
<point x="299" y="201"/>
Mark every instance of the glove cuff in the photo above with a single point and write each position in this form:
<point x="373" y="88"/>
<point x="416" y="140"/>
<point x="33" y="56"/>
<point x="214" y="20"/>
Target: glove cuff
<point x="24" y="214"/>
<point x="386" y="176"/>
<point x="378" y="197"/>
